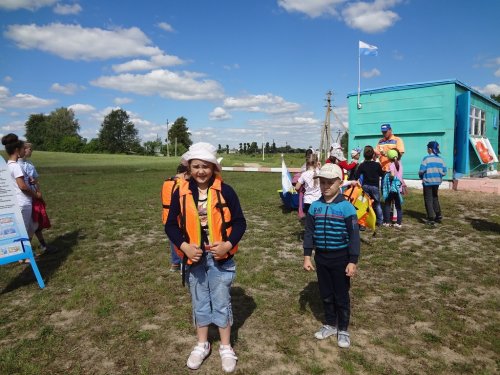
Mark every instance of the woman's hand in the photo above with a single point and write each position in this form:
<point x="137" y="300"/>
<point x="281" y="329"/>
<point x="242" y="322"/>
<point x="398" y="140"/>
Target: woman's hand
<point x="219" y="249"/>
<point x="193" y="252"/>
<point x="308" y="266"/>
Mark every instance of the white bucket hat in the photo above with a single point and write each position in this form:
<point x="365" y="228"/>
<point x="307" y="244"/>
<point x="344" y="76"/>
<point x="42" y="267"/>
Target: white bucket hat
<point x="201" y="151"/>
<point x="337" y="153"/>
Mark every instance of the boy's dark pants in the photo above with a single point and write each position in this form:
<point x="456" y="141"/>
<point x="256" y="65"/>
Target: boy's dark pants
<point x="334" y="291"/>
<point x="431" y="201"/>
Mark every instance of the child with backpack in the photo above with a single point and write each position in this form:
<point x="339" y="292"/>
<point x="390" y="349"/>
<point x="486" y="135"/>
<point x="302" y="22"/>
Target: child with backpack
<point x="393" y="186"/>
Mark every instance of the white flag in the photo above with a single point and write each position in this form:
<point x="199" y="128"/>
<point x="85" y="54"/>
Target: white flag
<point x="366" y="49"/>
<point x="286" y="179"/>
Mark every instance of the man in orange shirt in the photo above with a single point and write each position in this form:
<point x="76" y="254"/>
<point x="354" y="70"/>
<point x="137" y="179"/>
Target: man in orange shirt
<point x="388" y="142"/>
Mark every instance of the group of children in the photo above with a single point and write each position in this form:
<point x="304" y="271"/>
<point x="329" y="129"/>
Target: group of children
<point x="204" y="222"/>
<point x="27" y="189"/>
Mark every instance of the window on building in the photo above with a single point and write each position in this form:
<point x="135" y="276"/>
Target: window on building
<point x="477" y="122"/>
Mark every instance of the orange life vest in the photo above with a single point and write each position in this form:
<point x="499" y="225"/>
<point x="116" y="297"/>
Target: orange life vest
<point x="219" y="216"/>
<point x="168" y="188"/>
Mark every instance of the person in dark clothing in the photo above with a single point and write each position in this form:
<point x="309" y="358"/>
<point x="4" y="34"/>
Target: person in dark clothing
<point x="369" y="173"/>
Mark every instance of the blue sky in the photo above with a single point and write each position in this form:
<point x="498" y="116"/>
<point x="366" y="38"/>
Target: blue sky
<point x="239" y="71"/>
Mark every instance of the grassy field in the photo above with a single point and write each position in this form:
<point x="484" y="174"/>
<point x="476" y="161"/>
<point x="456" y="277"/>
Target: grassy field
<point x="425" y="301"/>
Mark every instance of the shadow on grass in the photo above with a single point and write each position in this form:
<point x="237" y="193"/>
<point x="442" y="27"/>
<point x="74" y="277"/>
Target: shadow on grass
<point x="47" y="263"/>
<point x="243" y="307"/>
<point x="417" y="215"/>
<point x="309" y="296"/>
<point x="484" y="226"/>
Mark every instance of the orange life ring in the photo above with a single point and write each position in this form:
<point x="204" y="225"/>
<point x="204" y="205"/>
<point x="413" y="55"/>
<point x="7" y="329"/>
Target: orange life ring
<point x="483" y="152"/>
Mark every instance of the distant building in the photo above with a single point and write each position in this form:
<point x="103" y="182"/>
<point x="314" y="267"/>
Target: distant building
<point x="463" y="121"/>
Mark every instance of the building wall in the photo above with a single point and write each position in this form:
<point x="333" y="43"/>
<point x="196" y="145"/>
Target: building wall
<point x="417" y="115"/>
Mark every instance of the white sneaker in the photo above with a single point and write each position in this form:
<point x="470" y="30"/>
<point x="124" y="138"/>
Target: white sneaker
<point x="397" y="226"/>
<point x="228" y="358"/>
<point x="198" y="355"/>
<point x="325" y="331"/>
<point x="343" y="340"/>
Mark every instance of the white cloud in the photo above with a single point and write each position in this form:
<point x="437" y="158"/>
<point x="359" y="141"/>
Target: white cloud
<point x="313" y="8"/>
<point x="7" y="79"/>
<point x="74" y="42"/>
<point x="155" y="62"/>
<point x="371" y="17"/>
<point x="67" y="89"/>
<point x="17" y="127"/>
<point x="219" y="114"/>
<point x="82" y="108"/>
<point x="167" y="84"/>
<point x="25" y="4"/>
<point x="22" y="100"/>
<point x="120" y="101"/>
<point x="370" y="74"/>
<point x="497" y="73"/>
<point x="489" y="89"/>
<point x="166" y="27"/>
<point x="66" y="9"/>
<point x="267" y="103"/>
<point x="231" y="67"/>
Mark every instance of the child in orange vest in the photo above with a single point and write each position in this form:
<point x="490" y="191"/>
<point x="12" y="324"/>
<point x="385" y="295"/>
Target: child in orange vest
<point x="206" y="223"/>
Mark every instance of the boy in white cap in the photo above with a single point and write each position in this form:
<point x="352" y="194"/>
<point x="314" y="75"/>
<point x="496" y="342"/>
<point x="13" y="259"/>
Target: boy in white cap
<point x="332" y="231"/>
<point x="206" y="223"/>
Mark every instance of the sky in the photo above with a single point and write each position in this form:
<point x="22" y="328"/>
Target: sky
<point x="237" y="70"/>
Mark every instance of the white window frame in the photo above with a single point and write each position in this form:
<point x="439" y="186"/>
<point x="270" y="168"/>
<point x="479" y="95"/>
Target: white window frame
<point x="477" y="122"/>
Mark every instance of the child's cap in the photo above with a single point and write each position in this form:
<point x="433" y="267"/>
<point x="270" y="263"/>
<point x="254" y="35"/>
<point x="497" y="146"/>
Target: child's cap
<point x="391" y="154"/>
<point x="330" y="171"/>
<point x="355" y="151"/>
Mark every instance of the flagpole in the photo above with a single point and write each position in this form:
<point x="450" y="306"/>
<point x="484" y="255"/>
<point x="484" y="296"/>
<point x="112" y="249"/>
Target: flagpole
<point x="359" y="77"/>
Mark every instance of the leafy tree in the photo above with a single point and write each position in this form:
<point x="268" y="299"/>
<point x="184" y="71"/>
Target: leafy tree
<point x="253" y="148"/>
<point x="241" y="148"/>
<point x="36" y="130"/>
<point x="118" y="134"/>
<point x="92" y="147"/>
<point x="71" y="144"/>
<point x="150" y="147"/>
<point x="219" y="150"/>
<point x="495" y="97"/>
<point x="273" y="148"/>
<point x="62" y="123"/>
<point x="227" y="149"/>
<point x="344" y="142"/>
<point x="267" y="148"/>
<point x="180" y="131"/>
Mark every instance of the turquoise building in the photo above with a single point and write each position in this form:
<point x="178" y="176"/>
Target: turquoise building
<point x="463" y="121"/>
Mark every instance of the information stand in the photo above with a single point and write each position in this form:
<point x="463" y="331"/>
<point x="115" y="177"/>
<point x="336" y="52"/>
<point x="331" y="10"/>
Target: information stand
<point x="14" y="242"/>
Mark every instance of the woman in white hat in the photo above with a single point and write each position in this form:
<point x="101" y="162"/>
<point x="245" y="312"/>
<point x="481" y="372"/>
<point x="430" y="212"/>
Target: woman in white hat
<point x="206" y="223"/>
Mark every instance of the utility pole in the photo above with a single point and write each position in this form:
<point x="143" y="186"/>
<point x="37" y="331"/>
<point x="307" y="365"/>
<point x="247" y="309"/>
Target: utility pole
<point x="168" y="152"/>
<point x="326" y="135"/>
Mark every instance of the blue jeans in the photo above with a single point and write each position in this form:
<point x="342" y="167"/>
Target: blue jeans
<point x="174" y="258"/>
<point x="374" y="193"/>
<point x="209" y="283"/>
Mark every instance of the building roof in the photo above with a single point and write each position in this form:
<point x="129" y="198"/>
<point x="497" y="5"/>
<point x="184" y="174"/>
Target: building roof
<point x="426" y="84"/>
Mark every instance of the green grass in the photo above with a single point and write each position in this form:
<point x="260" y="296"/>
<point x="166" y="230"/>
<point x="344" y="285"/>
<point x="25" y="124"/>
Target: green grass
<point x="425" y="301"/>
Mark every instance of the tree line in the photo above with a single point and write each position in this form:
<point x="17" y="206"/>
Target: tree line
<point x="58" y="131"/>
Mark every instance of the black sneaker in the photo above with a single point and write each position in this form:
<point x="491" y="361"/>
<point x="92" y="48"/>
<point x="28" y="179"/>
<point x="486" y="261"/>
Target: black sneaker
<point x="438" y="220"/>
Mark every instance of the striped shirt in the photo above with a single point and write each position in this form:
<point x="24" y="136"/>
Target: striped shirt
<point x="432" y="170"/>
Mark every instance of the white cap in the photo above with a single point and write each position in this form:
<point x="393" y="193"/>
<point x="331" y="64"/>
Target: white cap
<point x="338" y="154"/>
<point x="201" y="151"/>
<point x="330" y="171"/>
